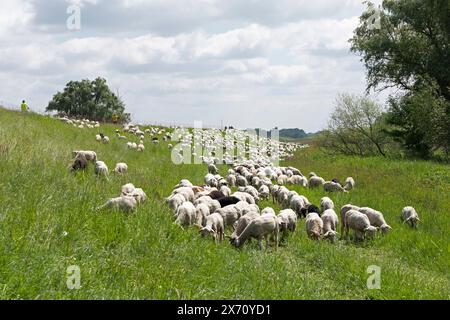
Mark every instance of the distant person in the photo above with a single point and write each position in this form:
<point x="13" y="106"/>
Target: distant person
<point x="24" y="106"/>
<point x="115" y="118"/>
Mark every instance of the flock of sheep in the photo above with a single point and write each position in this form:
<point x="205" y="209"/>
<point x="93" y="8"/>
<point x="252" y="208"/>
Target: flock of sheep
<point x="214" y="208"/>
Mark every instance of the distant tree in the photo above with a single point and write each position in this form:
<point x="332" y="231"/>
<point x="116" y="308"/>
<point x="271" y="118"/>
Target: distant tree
<point x="89" y="99"/>
<point x="410" y="50"/>
<point x="356" y="127"/>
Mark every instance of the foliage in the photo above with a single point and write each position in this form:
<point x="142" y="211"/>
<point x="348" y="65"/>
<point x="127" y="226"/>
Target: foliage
<point x="89" y="99"/>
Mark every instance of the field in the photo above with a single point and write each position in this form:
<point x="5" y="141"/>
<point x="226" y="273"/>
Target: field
<point x="47" y="223"/>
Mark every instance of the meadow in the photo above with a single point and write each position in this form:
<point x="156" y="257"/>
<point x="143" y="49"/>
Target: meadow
<point x="48" y="222"/>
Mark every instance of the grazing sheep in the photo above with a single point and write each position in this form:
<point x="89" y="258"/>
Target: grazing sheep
<point x="201" y="212"/>
<point x="314" y="226"/>
<point x="176" y="200"/>
<point x="229" y="214"/>
<point x="268" y="210"/>
<point x="410" y="216"/>
<point x="105" y="139"/>
<point x="376" y="219"/>
<point x="212" y="204"/>
<point x="214" y="226"/>
<point x="244" y="196"/>
<point x="98" y="137"/>
<point x="231" y="179"/>
<point x="187" y="193"/>
<point x="349" y="183"/>
<point x="123" y="203"/>
<point x="101" y="169"/>
<point x="139" y="195"/>
<point x="89" y="155"/>
<point x="315" y="181"/>
<point x="326" y="203"/>
<point x="282" y="180"/>
<point x="185" y="214"/>
<point x="127" y="188"/>
<point x="215" y="195"/>
<point x="297" y="203"/>
<point x="226" y="201"/>
<point x="80" y="163"/>
<point x="226" y="191"/>
<point x="241" y="181"/>
<point x="288" y="221"/>
<point x="344" y="210"/>
<point x="244" y="207"/>
<point x="359" y="223"/>
<point x="330" y="223"/>
<point x="331" y="186"/>
<point x="259" y="228"/>
<point x="264" y="192"/>
<point x="184" y="183"/>
<point x="121" y="167"/>
<point x="240" y="225"/>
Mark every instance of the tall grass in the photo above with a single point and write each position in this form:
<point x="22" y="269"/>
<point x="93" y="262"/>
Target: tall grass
<point x="47" y="223"/>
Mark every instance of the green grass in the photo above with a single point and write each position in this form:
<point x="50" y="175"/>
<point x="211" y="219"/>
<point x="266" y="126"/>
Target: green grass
<point x="145" y="256"/>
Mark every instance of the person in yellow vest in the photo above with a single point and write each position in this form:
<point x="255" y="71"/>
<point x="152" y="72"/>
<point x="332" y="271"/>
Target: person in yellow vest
<point x="24" y="106"/>
<point x="115" y="118"/>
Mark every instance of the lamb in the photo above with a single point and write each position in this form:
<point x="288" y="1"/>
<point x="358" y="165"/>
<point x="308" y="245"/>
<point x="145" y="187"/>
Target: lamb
<point x="186" y="214"/>
<point x="89" y="155"/>
<point x="326" y="203"/>
<point x="101" y="168"/>
<point x="260" y="227"/>
<point x="127" y="188"/>
<point x="176" y="200"/>
<point x="344" y="210"/>
<point x="80" y="163"/>
<point x="331" y="186"/>
<point x="349" y="183"/>
<point x="410" y="216"/>
<point x="315" y="181"/>
<point x="121" y="167"/>
<point x="288" y="221"/>
<point x="187" y="193"/>
<point x="201" y="212"/>
<point x="376" y="219"/>
<point x="123" y="203"/>
<point x="229" y="214"/>
<point x="139" y="195"/>
<point x="314" y="226"/>
<point x="330" y="223"/>
<point x="264" y="192"/>
<point x="214" y="226"/>
<point x="240" y="225"/>
<point x="360" y="223"/>
<point x="98" y="137"/>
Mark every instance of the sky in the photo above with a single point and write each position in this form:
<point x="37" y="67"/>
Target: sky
<point x="246" y="63"/>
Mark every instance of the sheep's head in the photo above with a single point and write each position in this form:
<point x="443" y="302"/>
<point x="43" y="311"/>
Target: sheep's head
<point x="370" y="232"/>
<point x="331" y="235"/>
<point x="206" y="231"/>
<point x="385" y="228"/>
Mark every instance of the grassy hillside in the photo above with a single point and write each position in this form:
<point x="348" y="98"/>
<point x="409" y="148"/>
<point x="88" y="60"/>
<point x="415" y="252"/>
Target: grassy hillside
<point x="145" y="256"/>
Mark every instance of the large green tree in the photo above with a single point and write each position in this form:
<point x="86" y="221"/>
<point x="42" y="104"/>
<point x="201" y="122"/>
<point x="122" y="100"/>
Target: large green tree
<point x="89" y="99"/>
<point x="408" y="48"/>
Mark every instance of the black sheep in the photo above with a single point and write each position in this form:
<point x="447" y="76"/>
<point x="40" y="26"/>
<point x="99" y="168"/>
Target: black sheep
<point x="216" y="195"/>
<point x="80" y="163"/>
<point x="308" y="209"/>
<point x="226" y="201"/>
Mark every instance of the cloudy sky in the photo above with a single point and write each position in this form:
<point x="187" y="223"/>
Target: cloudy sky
<point x="249" y="63"/>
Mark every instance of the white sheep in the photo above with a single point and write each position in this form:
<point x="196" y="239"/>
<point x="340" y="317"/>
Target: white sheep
<point x="288" y="220"/>
<point x="212" y="169"/>
<point x="268" y="210"/>
<point x="376" y="219"/>
<point x="229" y="214"/>
<point x="201" y="212"/>
<point x="175" y="200"/>
<point x="127" y="188"/>
<point x="89" y="155"/>
<point x="105" y="139"/>
<point x="214" y="226"/>
<point x="331" y="186"/>
<point x="139" y="195"/>
<point x="121" y="167"/>
<point x="315" y="181"/>
<point x="187" y="193"/>
<point x="186" y="214"/>
<point x="225" y="190"/>
<point x="123" y="203"/>
<point x="98" y="138"/>
<point x="314" y="226"/>
<point x="359" y="223"/>
<point x="259" y="228"/>
<point x="242" y="223"/>
<point x="231" y="179"/>
<point x="330" y="223"/>
<point x="326" y="203"/>
<point x="349" y="183"/>
<point x="410" y="216"/>
<point x="264" y="192"/>
<point x="101" y="169"/>
<point x="244" y="196"/>
<point x="344" y="210"/>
